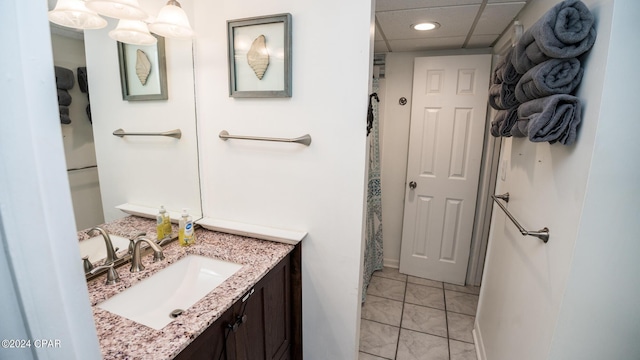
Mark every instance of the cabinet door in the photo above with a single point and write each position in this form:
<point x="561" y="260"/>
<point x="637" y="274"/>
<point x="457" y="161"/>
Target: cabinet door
<point x="266" y="329"/>
<point x="210" y="344"/>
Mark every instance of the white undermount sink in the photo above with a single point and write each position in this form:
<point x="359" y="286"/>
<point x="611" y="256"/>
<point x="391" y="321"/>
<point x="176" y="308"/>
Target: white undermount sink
<point x="171" y="290"/>
<point x="96" y="249"/>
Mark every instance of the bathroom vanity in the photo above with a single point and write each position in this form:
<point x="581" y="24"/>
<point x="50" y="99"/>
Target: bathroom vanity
<point x="254" y="314"/>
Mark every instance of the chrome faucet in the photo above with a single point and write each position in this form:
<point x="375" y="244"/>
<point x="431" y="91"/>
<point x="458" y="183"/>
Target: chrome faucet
<point x="136" y="259"/>
<point x="111" y="253"/>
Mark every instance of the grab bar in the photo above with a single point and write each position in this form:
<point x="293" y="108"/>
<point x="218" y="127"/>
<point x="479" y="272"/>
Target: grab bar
<point x="304" y="139"/>
<point x="542" y="234"/>
<point x="171" y="133"/>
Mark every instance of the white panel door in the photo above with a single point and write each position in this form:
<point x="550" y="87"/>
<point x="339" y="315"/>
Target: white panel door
<point x="448" y="117"/>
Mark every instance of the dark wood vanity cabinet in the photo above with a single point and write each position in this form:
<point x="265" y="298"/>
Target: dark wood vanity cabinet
<point x="265" y="324"/>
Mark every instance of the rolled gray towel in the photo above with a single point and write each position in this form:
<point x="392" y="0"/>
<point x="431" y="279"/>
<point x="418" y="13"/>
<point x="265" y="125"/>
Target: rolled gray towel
<point x="520" y="128"/>
<point x="504" y="71"/>
<point x="502" y="96"/>
<point x="495" y="127"/>
<point x="64" y="98"/>
<point x="83" y="82"/>
<point x="554" y="76"/>
<point x="496" y="75"/>
<point x="64" y="78"/>
<point x="553" y="118"/>
<point x="64" y="114"/>
<point x="565" y="31"/>
<point x="509" y="73"/>
<point x="509" y="119"/>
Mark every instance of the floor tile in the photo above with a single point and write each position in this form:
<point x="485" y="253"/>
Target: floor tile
<point x="390" y="273"/>
<point x="462" y="351"/>
<point x="378" y="339"/>
<point x="382" y="310"/>
<point x="426" y="282"/>
<point x="365" y="356"/>
<point x="424" y="319"/>
<point x="425" y="296"/>
<point x="461" y="302"/>
<point x="386" y="288"/>
<point x="418" y="346"/>
<point x="465" y="289"/>
<point x="460" y="327"/>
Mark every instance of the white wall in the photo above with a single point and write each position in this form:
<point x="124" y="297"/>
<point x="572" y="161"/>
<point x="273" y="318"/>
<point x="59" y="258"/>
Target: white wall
<point x="320" y="188"/>
<point x="524" y="283"/>
<point x="149" y="171"/>
<point x="77" y="137"/>
<point x="44" y="292"/>
<point x="599" y="317"/>
<point x="395" y="120"/>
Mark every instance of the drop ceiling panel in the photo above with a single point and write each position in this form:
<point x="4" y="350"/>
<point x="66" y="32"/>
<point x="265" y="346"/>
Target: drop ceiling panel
<point x="427" y="44"/>
<point x="380" y="47"/>
<point x="481" y="41"/>
<point x="453" y="20"/>
<point x="496" y="17"/>
<point x="387" y="5"/>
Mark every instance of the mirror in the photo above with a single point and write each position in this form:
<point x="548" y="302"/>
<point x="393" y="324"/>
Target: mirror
<point x="106" y="170"/>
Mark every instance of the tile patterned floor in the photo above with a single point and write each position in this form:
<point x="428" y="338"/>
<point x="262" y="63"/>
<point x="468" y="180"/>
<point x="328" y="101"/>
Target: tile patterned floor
<point x="409" y="318"/>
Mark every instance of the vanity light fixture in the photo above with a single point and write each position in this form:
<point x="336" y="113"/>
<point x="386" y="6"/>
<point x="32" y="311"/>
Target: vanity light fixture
<point x="132" y="32"/>
<point x="118" y="9"/>
<point x="425" y="26"/>
<point x="74" y="14"/>
<point x="172" y="22"/>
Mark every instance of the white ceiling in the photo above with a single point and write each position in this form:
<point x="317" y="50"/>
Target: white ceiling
<point x="463" y="23"/>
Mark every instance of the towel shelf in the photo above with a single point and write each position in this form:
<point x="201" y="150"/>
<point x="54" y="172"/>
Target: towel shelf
<point x="171" y="133"/>
<point x="304" y="139"/>
<point x="542" y="234"/>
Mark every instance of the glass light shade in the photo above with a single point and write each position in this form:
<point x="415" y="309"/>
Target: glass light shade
<point x="172" y="22"/>
<point x="132" y="32"/>
<point x="119" y="9"/>
<point x="74" y="14"/>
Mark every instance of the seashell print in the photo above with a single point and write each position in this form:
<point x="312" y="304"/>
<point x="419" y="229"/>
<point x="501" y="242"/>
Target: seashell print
<point x="258" y="56"/>
<point x="143" y="66"/>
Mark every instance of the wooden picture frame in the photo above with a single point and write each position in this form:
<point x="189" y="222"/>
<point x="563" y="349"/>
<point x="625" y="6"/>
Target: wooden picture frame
<point x="154" y="86"/>
<point x="259" y="53"/>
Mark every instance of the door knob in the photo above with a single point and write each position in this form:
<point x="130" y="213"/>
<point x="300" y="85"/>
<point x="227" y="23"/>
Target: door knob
<point x="413" y="185"/>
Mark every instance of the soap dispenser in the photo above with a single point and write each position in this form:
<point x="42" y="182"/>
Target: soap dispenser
<point x="186" y="234"/>
<point x="163" y="224"/>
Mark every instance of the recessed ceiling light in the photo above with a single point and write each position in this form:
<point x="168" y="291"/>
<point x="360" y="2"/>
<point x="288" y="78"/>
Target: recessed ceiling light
<point x="426" y="26"/>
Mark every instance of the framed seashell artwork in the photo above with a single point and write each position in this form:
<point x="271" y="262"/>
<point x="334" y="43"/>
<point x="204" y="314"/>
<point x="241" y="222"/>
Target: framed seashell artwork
<point x="143" y="71"/>
<point x="260" y="56"/>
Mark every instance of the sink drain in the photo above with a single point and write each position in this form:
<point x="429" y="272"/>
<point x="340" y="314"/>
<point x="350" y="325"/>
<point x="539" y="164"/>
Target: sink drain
<point x="175" y="313"/>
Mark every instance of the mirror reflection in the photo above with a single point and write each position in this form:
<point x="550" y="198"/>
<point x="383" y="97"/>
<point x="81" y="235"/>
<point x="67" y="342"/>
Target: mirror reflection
<point x="107" y="171"/>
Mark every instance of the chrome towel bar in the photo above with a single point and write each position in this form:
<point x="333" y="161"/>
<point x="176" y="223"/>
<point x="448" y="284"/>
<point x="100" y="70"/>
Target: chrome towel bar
<point x="171" y="133"/>
<point x="304" y="139"/>
<point x="542" y="234"/>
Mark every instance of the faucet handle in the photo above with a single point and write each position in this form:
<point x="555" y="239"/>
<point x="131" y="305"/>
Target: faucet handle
<point x="112" y="274"/>
<point x="86" y="264"/>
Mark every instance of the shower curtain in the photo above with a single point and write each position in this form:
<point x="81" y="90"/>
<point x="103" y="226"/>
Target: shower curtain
<point x="373" y="234"/>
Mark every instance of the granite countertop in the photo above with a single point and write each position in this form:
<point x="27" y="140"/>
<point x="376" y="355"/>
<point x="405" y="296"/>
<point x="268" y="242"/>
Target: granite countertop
<point x="121" y="338"/>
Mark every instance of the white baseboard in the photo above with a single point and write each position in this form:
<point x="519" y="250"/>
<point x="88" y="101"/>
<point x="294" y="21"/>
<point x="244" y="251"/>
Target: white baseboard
<point x="392" y="263"/>
<point x="477" y="340"/>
